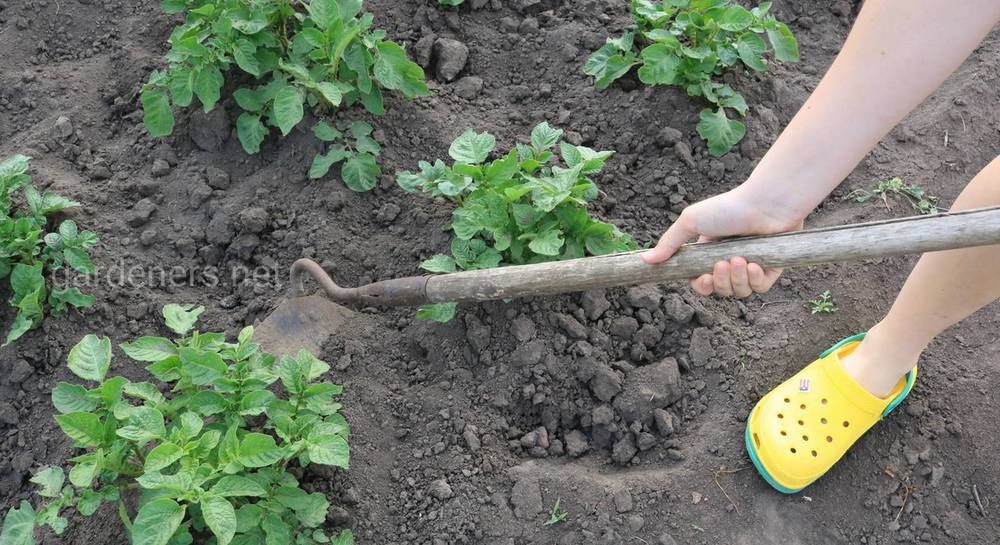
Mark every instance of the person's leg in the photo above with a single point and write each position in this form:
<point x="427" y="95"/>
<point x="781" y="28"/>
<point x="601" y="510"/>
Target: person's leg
<point x="943" y="289"/>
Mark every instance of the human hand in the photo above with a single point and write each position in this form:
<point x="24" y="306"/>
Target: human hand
<point x="729" y="214"/>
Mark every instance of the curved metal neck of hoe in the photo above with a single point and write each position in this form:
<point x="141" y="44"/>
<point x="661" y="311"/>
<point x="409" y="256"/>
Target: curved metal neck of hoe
<point x="409" y="291"/>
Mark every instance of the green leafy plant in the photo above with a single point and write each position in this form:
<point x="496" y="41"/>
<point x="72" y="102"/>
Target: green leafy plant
<point x="355" y="148"/>
<point x="516" y="209"/>
<point x="690" y="44"/>
<point x="209" y="458"/>
<point x="31" y="248"/>
<point x="556" y="514"/>
<point x="918" y="197"/>
<point x="822" y="304"/>
<point x="315" y="52"/>
<point x="451" y="2"/>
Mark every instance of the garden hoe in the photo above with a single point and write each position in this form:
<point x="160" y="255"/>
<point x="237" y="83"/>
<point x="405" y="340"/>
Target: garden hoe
<point x="306" y="321"/>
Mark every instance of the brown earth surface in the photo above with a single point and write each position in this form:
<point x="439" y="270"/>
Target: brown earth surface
<point x="468" y="432"/>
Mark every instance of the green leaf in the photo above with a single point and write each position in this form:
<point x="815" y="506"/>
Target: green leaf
<point x="288" y="111"/>
<point x="51" y="480"/>
<point x="325" y="132"/>
<point x="156" y="522"/>
<point x="220" y="516"/>
<point x="439" y="312"/>
<point x="440" y="263"/>
<point x="146" y="424"/>
<point x="90" y="358"/>
<point x="181" y="318"/>
<point x="83" y="473"/>
<point x="84" y="428"/>
<point x="238" y="486"/>
<point x="325" y="13"/>
<point x="202" y="366"/>
<point x="719" y="131"/>
<point x="346" y="537"/>
<point x="26" y="279"/>
<point x="156" y="113"/>
<point x="472" y="148"/>
<point x="394" y="70"/>
<point x="162" y="456"/>
<point x="548" y="243"/>
<point x="278" y="533"/>
<point x="786" y="47"/>
<point x="149" y="349"/>
<point x="259" y="450"/>
<point x="207" y="86"/>
<point x="660" y="64"/>
<point x="330" y="450"/>
<point x="323" y="161"/>
<point x="617" y="66"/>
<point x="751" y="49"/>
<point x="207" y="403"/>
<point x="19" y="526"/>
<point x="735" y="19"/>
<point x="71" y="398"/>
<point x="544" y="137"/>
<point x="251" y="132"/>
<point x="144" y="390"/>
<point x="244" y="53"/>
<point x="248" y="99"/>
<point x="360" y="173"/>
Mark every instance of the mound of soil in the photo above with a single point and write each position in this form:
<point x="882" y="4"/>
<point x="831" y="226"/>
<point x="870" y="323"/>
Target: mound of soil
<point x="628" y="406"/>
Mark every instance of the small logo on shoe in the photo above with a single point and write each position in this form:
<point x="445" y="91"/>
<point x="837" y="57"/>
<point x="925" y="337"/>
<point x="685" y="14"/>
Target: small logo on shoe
<point x="804" y="385"/>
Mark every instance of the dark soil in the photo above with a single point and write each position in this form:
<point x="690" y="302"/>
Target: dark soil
<point x="628" y="405"/>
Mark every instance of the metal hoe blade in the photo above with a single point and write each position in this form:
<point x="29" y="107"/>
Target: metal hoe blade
<point x="301" y="323"/>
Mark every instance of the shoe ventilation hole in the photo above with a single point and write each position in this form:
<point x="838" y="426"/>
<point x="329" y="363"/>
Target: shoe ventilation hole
<point x="846" y="423"/>
<point x="805" y="437"/>
<point x="829" y="439"/>
<point x="780" y="415"/>
<point x="793" y="450"/>
<point x="787" y="400"/>
<point x="802" y="406"/>
<point x="783" y="432"/>
<point x="814" y="453"/>
<point x="823" y="401"/>
<point x="822" y="420"/>
<point x="756" y="440"/>
<point x="801" y="423"/>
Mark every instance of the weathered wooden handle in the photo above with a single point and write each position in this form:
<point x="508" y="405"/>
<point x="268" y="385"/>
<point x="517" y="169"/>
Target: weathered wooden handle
<point x="828" y="245"/>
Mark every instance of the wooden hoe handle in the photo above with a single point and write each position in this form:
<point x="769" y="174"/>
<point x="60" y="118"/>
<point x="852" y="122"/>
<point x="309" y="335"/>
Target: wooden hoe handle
<point x="856" y="242"/>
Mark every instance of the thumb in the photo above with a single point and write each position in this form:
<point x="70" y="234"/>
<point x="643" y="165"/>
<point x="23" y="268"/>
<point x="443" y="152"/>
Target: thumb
<point x="679" y="233"/>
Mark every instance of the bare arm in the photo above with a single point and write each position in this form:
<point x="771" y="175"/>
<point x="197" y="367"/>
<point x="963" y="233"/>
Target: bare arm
<point x="897" y="54"/>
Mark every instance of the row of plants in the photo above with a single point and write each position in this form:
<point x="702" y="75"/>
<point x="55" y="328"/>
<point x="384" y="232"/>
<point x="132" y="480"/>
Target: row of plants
<point x="283" y="55"/>
<point x="203" y="453"/>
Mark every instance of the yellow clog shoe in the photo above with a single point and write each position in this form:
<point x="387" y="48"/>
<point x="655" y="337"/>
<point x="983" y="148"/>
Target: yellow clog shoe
<point x="800" y="429"/>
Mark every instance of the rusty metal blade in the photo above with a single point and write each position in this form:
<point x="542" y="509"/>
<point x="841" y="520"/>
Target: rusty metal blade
<point x="301" y="323"/>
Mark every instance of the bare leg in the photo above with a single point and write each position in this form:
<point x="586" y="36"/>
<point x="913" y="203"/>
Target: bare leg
<point x="943" y="289"/>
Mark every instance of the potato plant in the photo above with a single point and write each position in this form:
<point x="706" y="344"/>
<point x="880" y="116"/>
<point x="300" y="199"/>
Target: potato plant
<point x="516" y="209"/>
<point x="316" y="52"/>
<point x="690" y="44"/>
<point x="208" y="460"/>
<point x="32" y="248"/>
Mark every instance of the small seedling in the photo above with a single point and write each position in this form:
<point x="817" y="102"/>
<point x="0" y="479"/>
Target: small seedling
<point x="204" y="456"/>
<point x="917" y="196"/>
<point x="517" y="209"/>
<point x="556" y="514"/>
<point x="30" y="250"/>
<point x="690" y="44"/>
<point x="822" y="304"/>
<point x="322" y="54"/>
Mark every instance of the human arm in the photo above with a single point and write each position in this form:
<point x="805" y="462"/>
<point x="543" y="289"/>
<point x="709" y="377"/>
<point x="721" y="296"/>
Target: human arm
<point x="897" y="53"/>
